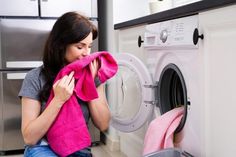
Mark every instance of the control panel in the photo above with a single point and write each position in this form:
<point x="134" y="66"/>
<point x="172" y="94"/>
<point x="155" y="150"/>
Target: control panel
<point x="172" y="33"/>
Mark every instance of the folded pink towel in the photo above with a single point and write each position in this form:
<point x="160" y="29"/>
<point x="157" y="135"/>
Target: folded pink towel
<point x="69" y="132"/>
<point x="160" y="132"/>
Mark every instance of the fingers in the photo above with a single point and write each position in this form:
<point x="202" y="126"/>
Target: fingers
<point x="63" y="88"/>
<point x="94" y="66"/>
<point x="96" y="63"/>
<point x="69" y="78"/>
<point x="71" y="82"/>
<point x="65" y="81"/>
<point x="56" y="83"/>
<point x="71" y="85"/>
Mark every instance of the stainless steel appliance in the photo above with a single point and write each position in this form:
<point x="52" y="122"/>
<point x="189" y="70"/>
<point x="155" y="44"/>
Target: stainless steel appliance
<point x="21" y="50"/>
<point x="24" y="28"/>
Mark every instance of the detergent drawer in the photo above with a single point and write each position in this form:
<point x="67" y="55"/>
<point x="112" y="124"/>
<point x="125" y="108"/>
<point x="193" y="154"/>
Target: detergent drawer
<point x="169" y="152"/>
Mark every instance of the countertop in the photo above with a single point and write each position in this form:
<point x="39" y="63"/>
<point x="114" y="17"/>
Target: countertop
<point x="186" y="10"/>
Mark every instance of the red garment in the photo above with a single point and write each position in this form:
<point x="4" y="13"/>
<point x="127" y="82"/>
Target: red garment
<point x="69" y="132"/>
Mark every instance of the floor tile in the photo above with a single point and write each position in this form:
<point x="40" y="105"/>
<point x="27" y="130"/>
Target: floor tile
<point x="102" y="151"/>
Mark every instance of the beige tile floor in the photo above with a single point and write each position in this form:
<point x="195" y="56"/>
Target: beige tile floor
<point x="98" y="151"/>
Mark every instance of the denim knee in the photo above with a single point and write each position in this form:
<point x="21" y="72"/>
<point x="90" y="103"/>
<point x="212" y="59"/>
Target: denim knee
<point x="39" y="151"/>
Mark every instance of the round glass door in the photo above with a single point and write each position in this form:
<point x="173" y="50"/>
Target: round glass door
<point x="133" y="104"/>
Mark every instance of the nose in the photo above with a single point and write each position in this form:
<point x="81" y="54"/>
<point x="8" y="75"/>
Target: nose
<point x="86" y="51"/>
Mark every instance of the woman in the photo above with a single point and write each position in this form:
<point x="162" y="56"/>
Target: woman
<point x="70" y="39"/>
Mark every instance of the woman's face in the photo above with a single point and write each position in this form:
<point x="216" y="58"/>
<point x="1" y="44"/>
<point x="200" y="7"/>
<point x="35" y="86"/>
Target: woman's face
<point x="79" y="50"/>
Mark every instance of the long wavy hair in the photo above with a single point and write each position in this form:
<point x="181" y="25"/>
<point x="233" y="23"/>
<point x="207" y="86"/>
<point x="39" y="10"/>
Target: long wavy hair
<point x="69" y="28"/>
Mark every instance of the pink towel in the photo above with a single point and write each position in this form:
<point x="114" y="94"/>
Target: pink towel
<point x="161" y="131"/>
<point x="69" y="132"/>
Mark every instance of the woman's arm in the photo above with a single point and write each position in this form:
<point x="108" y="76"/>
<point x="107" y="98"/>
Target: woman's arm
<point x="99" y="110"/>
<point x="35" y="125"/>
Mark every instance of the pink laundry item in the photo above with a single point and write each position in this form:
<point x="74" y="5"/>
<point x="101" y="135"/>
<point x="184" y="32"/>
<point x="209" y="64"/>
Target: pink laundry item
<point x="160" y="132"/>
<point x="69" y="132"/>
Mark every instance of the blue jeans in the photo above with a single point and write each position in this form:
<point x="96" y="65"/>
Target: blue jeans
<point x="39" y="151"/>
<point x="45" y="151"/>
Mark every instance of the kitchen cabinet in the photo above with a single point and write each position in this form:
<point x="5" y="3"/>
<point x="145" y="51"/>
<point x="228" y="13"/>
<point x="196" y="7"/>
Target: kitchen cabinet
<point x="218" y="56"/>
<point x="55" y="8"/>
<point x="47" y="8"/>
<point x="129" y="40"/>
<point x="19" y="8"/>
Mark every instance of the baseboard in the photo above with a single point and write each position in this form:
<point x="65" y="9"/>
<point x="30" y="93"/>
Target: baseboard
<point x="111" y="144"/>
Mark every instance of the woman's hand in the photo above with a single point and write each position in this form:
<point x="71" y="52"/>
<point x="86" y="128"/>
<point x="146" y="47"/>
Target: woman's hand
<point x="94" y="66"/>
<point x="63" y="88"/>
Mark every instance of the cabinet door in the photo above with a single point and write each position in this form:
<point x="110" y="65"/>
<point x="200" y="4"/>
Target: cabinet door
<point x="218" y="51"/>
<point x="19" y="8"/>
<point x="55" y="8"/>
<point x="131" y="144"/>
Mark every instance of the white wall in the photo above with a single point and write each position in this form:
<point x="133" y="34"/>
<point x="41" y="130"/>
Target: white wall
<point x="124" y="10"/>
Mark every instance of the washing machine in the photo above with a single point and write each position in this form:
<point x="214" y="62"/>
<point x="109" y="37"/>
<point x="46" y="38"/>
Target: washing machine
<point x="169" y="78"/>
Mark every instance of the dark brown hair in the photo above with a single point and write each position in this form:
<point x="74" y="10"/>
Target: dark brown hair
<point x="69" y="28"/>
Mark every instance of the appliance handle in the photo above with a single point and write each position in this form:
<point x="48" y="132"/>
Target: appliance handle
<point x="23" y="64"/>
<point x="16" y="76"/>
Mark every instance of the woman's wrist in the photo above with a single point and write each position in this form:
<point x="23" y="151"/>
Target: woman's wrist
<point x="57" y="102"/>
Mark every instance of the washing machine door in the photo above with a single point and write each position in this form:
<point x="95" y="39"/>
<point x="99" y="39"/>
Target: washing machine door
<point x="132" y="89"/>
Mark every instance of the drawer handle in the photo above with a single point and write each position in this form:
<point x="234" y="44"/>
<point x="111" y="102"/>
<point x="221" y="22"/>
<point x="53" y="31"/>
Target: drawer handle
<point x="140" y="41"/>
<point x="196" y="36"/>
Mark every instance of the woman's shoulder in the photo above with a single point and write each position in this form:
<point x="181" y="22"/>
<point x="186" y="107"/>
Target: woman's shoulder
<point x="35" y="73"/>
<point x="32" y="84"/>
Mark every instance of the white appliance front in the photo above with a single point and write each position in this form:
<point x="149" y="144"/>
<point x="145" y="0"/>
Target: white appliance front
<point x="47" y="8"/>
<point x="19" y="8"/>
<point x="51" y="8"/>
<point x="169" y="79"/>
